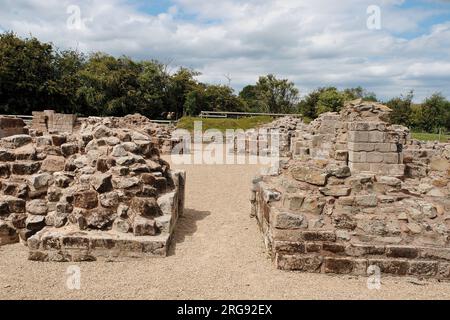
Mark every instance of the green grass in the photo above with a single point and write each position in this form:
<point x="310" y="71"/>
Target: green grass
<point x="430" y="136"/>
<point x="187" y="123"/>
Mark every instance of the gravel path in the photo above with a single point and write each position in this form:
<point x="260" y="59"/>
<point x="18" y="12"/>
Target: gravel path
<point x="217" y="254"/>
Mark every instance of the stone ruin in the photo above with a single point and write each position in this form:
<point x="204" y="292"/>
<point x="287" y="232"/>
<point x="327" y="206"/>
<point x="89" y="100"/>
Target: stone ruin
<point x="358" y="192"/>
<point x="10" y="126"/>
<point x="49" y="121"/>
<point x="102" y="192"/>
<point x="259" y="141"/>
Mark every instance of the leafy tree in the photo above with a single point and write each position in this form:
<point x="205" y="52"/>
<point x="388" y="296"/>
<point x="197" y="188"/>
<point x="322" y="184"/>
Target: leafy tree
<point x="271" y="95"/>
<point x="213" y="98"/>
<point x="401" y="109"/>
<point x="308" y="106"/>
<point x="27" y="77"/>
<point x="67" y="81"/>
<point x="180" y="85"/>
<point x="360" y="93"/>
<point x="330" y="100"/>
<point x="434" y="111"/>
<point x="249" y="95"/>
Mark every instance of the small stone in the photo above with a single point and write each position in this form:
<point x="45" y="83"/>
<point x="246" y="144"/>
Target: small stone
<point x="122" y="211"/>
<point x="86" y="199"/>
<point x="414" y="228"/>
<point x="69" y="149"/>
<point x="147" y="207"/>
<point x="336" y="191"/>
<point x="102" y="132"/>
<point x="18" y="141"/>
<point x="121" y="225"/>
<point x="119" y="151"/>
<point x="37" y="207"/>
<point x="35" y="223"/>
<point x="42" y="180"/>
<point x="53" y="164"/>
<point x="109" y="200"/>
<point x="310" y="175"/>
<point x="101" y="182"/>
<point x="144" y="227"/>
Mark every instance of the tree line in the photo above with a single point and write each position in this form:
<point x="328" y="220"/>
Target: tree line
<point x="36" y="76"/>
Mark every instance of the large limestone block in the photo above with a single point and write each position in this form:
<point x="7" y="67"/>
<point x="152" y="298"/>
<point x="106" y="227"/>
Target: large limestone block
<point x="439" y="164"/>
<point x="310" y="175"/>
<point x="358" y="136"/>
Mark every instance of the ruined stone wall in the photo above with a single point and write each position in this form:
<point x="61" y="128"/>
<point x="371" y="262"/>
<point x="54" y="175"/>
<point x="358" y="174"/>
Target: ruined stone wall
<point x="102" y="193"/>
<point x="51" y="122"/>
<point x="10" y="126"/>
<point x="391" y="209"/>
<point x="259" y="141"/>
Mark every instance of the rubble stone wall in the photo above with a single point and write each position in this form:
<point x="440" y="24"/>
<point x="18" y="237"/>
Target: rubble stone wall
<point x="102" y="192"/>
<point x="358" y="193"/>
<point x="10" y="126"/>
<point x="51" y="122"/>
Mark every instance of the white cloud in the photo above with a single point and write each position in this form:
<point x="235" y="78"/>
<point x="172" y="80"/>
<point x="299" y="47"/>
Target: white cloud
<point x="314" y="43"/>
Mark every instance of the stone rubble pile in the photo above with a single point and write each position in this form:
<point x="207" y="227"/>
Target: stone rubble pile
<point x="356" y="193"/>
<point x="102" y="192"/>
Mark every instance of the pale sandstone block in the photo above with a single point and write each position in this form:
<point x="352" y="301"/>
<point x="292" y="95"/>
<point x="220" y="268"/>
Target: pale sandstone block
<point x="358" y="136"/>
<point x="357" y="167"/>
<point x="391" y="158"/>
<point x="354" y="146"/>
<point x="359" y="157"/>
<point x="374" y="157"/>
<point x="377" y="136"/>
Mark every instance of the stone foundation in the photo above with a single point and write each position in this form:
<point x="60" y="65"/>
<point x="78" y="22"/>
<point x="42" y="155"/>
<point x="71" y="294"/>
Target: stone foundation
<point x="358" y="193"/>
<point x="10" y="126"/>
<point x="51" y="122"/>
<point x="67" y="244"/>
<point x="325" y="251"/>
<point x="105" y="180"/>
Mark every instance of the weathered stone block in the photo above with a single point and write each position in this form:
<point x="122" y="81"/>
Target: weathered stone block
<point x="402" y="252"/>
<point x="299" y="262"/>
<point x="25" y="168"/>
<point x="377" y="136"/>
<point x="86" y="199"/>
<point x="423" y="268"/>
<point x="374" y="157"/>
<point x="338" y="265"/>
<point x="147" y="207"/>
<point x="358" y="136"/>
<point x="310" y="175"/>
<point x="285" y="220"/>
<point x="53" y="164"/>
<point x="336" y="191"/>
<point x="289" y="247"/>
<point x="293" y="201"/>
<point x="396" y="267"/>
<point x="144" y="227"/>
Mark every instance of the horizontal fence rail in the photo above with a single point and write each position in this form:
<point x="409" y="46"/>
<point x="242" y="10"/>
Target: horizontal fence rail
<point x="29" y="119"/>
<point x="219" y="114"/>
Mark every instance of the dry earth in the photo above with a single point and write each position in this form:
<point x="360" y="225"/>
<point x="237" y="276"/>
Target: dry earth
<point x="217" y="254"/>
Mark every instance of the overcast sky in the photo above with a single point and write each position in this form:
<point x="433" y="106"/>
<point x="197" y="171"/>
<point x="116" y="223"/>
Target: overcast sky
<point x="313" y="43"/>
